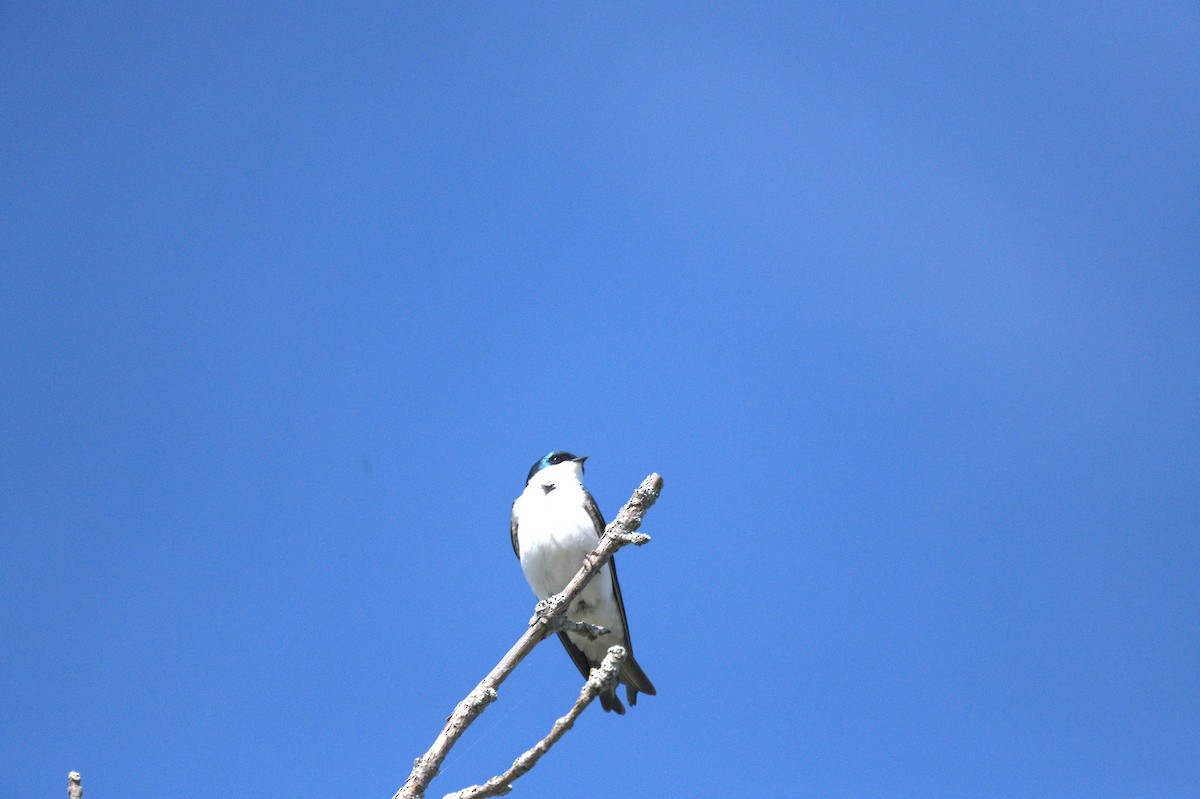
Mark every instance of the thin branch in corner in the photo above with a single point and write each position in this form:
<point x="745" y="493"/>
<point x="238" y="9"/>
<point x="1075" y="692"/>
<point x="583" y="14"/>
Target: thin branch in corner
<point x="601" y="678"/>
<point x="620" y="531"/>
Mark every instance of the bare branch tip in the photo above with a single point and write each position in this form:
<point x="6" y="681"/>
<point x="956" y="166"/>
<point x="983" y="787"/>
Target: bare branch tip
<point x="650" y="488"/>
<point x="605" y="675"/>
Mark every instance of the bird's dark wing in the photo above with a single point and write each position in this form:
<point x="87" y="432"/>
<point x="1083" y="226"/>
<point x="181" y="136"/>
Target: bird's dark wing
<point x="512" y="529"/>
<point x="598" y="520"/>
<point x="577" y="657"/>
<point x="631" y="673"/>
<point x="594" y="512"/>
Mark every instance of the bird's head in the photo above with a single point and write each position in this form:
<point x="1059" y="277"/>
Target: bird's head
<point x="556" y="460"/>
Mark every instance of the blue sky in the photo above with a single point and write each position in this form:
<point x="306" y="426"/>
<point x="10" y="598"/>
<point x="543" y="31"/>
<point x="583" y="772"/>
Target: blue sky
<point x="903" y="304"/>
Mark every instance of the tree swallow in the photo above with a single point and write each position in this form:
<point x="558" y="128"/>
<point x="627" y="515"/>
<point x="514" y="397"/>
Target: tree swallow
<point x="555" y="523"/>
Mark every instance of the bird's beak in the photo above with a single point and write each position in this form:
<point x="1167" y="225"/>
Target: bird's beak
<point x="581" y="459"/>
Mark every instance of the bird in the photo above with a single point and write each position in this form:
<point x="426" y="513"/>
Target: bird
<point x="555" y="523"/>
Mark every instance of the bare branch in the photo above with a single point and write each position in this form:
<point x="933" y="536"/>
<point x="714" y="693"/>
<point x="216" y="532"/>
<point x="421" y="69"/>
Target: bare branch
<point x="618" y="533"/>
<point x="601" y="678"/>
<point x="74" y="785"/>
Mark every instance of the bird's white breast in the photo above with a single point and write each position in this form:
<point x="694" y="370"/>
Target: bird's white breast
<point x="554" y="533"/>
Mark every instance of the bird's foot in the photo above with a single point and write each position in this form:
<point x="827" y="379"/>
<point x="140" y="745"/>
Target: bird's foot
<point x="547" y="612"/>
<point x="547" y="609"/>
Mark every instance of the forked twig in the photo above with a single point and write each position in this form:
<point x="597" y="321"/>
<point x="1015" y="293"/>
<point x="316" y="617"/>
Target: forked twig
<point x="601" y="678"/>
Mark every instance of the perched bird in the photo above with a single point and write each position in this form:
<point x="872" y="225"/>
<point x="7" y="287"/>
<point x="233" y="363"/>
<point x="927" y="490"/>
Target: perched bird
<point x="555" y="523"/>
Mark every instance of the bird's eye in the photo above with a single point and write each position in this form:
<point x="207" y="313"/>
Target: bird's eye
<point x="558" y="458"/>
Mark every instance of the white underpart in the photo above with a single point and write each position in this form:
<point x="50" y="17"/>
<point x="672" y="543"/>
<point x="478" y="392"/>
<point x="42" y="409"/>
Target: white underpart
<point x="554" y="533"/>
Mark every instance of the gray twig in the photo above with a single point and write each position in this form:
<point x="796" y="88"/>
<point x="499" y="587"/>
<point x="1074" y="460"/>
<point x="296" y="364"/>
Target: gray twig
<point x="618" y="533"/>
<point x="601" y="678"/>
<point x="74" y="785"/>
<point x="563" y="624"/>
